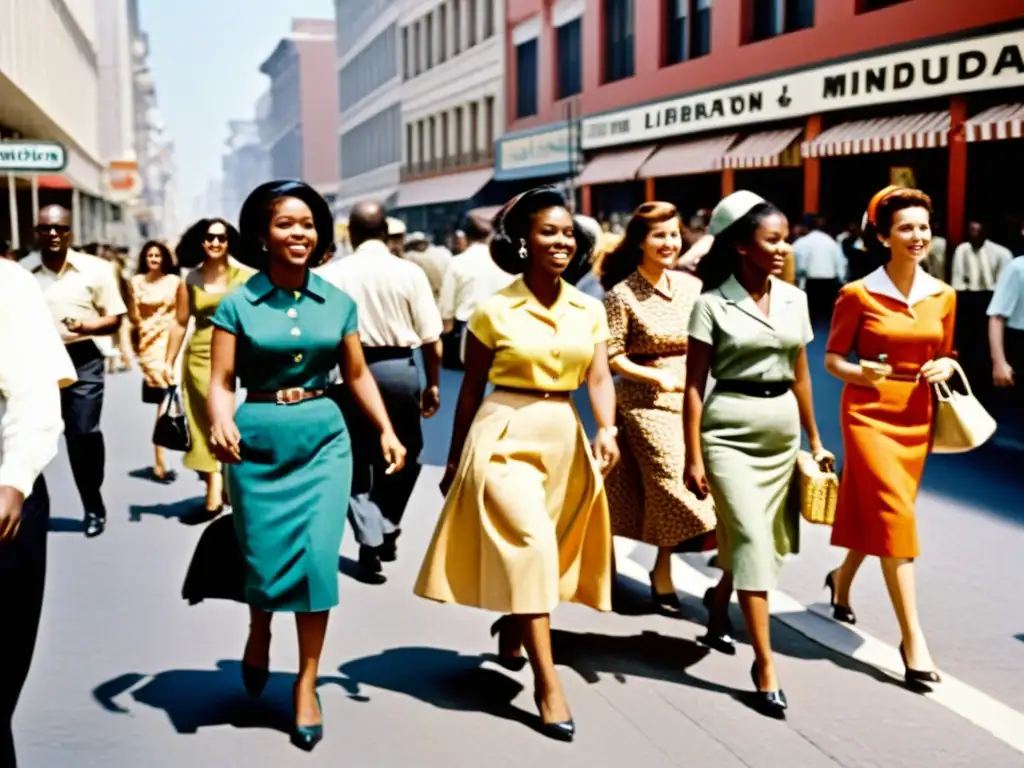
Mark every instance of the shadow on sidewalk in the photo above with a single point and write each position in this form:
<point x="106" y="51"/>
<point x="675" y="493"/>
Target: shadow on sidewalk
<point x="169" y="511"/>
<point x="202" y="698"/>
<point x="66" y="525"/>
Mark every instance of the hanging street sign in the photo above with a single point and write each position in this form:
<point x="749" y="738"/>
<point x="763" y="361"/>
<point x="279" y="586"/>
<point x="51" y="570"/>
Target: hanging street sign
<point x="32" y="156"/>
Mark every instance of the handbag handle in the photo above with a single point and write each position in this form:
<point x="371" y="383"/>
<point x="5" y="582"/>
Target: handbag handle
<point x="942" y="390"/>
<point x="175" y="408"/>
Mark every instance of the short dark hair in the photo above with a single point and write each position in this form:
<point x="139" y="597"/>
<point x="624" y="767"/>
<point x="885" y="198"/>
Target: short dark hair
<point x="723" y="259"/>
<point x="512" y="225"/>
<point x="190" y="252"/>
<point x="899" y="200"/>
<point x="258" y="210"/>
<point x="167" y="263"/>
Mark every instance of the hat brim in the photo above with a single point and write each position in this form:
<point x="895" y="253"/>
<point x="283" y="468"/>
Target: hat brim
<point x="253" y="220"/>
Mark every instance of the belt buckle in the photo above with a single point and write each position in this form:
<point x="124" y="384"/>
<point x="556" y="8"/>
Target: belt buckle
<point x="290" y="396"/>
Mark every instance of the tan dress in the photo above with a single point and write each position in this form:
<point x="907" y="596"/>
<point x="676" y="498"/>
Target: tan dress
<point x="646" y="494"/>
<point x="154" y="302"/>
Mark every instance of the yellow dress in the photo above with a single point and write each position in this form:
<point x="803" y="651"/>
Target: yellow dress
<point x="525" y="524"/>
<point x="196" y="377"/>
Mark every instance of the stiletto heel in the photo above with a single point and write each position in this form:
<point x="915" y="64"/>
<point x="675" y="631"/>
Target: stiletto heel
<point x="563" y="731"/>
<point x="917" y="676"/>
<point x="841" y="613"/>
<point x="720" y="631"/>
<point x="306" y="737"/>
<point x="669" y="603"/>
<point x="510" y="649"/>
<point x="770" y="703"/>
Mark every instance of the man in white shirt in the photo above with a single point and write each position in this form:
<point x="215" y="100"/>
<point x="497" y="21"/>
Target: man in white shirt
<point x="33" y="367"/>
<point x="85" y="303"/>
<point x="978" y="262"/>
<point x="472" y="277"/>
<point x="397" y="315"/>
<point x="820" y="269"/>
<point x="432" y="259"/>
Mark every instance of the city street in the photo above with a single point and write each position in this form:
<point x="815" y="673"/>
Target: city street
<point x="127" y="674"/>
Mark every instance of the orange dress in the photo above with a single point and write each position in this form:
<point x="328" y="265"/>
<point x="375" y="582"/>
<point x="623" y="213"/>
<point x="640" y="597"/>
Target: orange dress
<point x="887" y="429"/>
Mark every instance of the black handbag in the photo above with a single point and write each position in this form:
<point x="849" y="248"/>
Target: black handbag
<point x="171" y="429"/>
<point x="218" y="569"/>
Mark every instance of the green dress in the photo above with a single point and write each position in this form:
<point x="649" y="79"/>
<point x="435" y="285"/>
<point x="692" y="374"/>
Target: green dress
<point x="750" y="443"/>
<point x="290" y="492"/>
<point x="196" y="377"/>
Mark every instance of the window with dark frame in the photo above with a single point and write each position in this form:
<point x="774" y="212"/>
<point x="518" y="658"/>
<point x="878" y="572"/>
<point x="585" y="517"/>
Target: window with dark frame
<point x="687" y="30"/>
<point x="442" y="40"/>
<point x="474" y="129"/>
<point x="456" y="27"/>
<point x="569" y="58"/>
<point x="445" y="155"/>
<point x="432" y="141"/>
<point x="429" y="42"/>
<point x="416" y="66"/>
<point x="408" y="145"/>
<point x="526" y="78"/>
<point x="488" y="18"/>
<point x="776" y="17"/>
<point x="619" y="40"/>
<point x="489" y="125"/>
<point x="405" y="53"/>
<point x="420" y="139"/>
<point x="459" y="135"/>
<point x="471" y="23"/>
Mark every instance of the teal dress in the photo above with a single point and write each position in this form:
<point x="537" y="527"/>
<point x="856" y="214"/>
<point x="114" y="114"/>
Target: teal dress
<point x="290" y="492"/>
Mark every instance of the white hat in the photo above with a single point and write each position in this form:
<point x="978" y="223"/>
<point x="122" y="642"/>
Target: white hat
<point x="396" y="227"/>
<point x="415" y="237"/>
<point x="731" y="209"/>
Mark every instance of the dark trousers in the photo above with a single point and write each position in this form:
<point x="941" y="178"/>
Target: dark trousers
<point x="22" y="578"/>
<point x="378" y="500"/>
<point x="451" y="347"/>
<point x="821" y="299"/>
<point x="81" y="407"/>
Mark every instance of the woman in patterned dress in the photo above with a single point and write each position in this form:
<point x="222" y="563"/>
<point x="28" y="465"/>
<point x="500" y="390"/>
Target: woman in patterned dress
<point x="151" y="304"/>
<point x="648" y="306"/>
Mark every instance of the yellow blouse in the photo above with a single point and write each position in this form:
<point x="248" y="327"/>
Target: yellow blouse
<point x="537" y="347"/>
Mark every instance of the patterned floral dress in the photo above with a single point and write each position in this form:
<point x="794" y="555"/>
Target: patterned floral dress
<point x="154" y="303"/>
<point x="648" y="500"/>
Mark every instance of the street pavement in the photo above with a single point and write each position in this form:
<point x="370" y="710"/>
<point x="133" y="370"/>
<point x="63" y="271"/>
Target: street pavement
<point x="127" y="674"/>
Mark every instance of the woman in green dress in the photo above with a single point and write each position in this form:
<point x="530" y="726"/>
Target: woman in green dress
<point x="749" y="329"/>
<point x="205" y="250"/>
<point x="281" y="335"/>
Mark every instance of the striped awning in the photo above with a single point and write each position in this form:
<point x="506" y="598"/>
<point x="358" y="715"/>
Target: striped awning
<point x="1003" y="122"/>
<point x="767" y="149"/>
<point x="613" y="167"/>
<point x="687" y="158"/>
<point x="884" y="134"/>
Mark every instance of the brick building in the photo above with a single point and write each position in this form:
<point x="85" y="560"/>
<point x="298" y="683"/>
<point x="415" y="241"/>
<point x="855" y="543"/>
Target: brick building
<point x="814" y="103"/>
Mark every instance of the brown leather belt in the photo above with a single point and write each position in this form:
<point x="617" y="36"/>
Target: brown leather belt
<point x="539" y="393"/>
<point x="289" y="396"/>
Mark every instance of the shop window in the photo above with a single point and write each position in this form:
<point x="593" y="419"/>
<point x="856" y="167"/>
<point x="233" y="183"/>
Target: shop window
<point x="569" y="44"/>
<point x="866" y="6"/>
<point x="442" y="28"/>
<point x="772" y="18"/>
<point x="430" y="40"/>
<point x="687" y="30"/>
<point x="619" y="40"/>
<point x="526" y="78"/>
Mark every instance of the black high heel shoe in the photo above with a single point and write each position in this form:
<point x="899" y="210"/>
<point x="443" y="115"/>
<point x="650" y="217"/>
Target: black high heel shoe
<point x="667" y="603"/>
<point x="917" y="676"/>
<point x="770" y="703"/>
<point x="306" y="737"/>
<point x="720" y="631"/>
<point x="510" y="649"/>
<point x="563" y="731"/>
<point x="841" y="613"/>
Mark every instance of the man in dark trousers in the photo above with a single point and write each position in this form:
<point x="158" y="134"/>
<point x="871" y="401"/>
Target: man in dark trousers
<point x="85" y="302"/>
<point x="33" y="365"/>
<point x="397" y="315"/>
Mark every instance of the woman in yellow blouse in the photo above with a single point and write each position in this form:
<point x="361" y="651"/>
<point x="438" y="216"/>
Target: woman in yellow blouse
<point x="525" y="523"/>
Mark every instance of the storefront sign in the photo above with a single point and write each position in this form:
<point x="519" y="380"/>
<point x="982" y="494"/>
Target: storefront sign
<point x="123" y="181"/>
<point x="979" y="64"/>
<point x="535" y="154"/>
<point x="32" y="157"/>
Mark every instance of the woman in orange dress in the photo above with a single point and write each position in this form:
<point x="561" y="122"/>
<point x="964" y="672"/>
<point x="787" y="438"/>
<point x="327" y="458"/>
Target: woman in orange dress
<point x="899" y="321"/>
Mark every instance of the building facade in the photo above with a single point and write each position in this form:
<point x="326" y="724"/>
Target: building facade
<point x="452" y="96"/>
<point x="302" y="120"/>
<point x="369" y="115"/>
<point x="814" y="103"/>
<point x="245" y="165"/>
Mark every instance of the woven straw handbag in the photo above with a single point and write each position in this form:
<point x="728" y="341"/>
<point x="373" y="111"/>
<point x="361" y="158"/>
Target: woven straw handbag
<point x="960" y="421"/>
<point x="815" y="489"/>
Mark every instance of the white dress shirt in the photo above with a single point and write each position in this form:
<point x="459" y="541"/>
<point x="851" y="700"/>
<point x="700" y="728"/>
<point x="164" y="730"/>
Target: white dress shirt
<point x="33" y="367"/>
<point x="393" y="298"/>
<point x="818" y="256"/>
<point x="978" y="270"/>
<point x="472" y="277"/>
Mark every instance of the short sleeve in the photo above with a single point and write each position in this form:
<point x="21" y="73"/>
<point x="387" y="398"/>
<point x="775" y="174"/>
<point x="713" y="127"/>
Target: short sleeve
<point x="481" y="325"/>
<point x="949" y="326"/>
<point x="846" y="320"/>
<point x="108" y="295"/>
<point x="806" y="329"/>
<point x="351" y="323"/>
<point x="617" y="318"/>
<point x="226" y="317"/>
<point x="702" y="321"/>
<point x="426" y="315"/>
<point x="601" y="332"/>
<point x="1008" y="293"/>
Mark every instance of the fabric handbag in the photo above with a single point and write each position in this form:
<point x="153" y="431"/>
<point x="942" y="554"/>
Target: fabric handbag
<point x="171" y="429"/>
<point x="815" y="489"/>
<point x="960" y="421"/>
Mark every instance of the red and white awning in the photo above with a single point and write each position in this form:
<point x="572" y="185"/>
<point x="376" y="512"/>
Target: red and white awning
<point x="760" y="150"/>
<point x="997" y="124"/>
<point x="884" y="134"/>
<point x="613" y="167"/>
<point x="687" y="158"/>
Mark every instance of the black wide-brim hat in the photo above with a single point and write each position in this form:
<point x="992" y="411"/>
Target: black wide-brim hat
<point x="254" y="220"/>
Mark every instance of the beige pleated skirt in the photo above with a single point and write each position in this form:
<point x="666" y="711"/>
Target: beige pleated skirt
<point x="525" y="525"/>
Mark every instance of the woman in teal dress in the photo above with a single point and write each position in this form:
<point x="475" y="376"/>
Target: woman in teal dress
<point x="287" y="447"/>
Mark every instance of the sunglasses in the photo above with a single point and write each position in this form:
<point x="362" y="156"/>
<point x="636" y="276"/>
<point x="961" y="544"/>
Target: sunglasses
<point x="60" y="229"/>
<point x="211" y="238"/>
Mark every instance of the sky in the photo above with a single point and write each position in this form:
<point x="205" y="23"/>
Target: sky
<point x="205" y="57"/>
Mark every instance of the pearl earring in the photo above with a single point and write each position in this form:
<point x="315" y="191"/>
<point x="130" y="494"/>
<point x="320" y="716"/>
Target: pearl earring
<point x="523" y="253"/>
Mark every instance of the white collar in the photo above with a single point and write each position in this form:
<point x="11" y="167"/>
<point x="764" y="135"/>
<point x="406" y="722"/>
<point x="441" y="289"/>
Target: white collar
<point x="879" y="282"/>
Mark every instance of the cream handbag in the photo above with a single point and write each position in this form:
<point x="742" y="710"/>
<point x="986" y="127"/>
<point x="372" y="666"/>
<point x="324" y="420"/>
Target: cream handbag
<point x="961" y="423"/>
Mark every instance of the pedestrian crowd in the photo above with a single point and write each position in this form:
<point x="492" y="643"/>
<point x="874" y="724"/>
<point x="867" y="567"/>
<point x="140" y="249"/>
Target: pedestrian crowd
<point x="691" y="341"/>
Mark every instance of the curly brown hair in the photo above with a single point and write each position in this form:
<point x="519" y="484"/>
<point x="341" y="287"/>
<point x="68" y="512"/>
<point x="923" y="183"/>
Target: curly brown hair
<point x="899" y="200"/>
